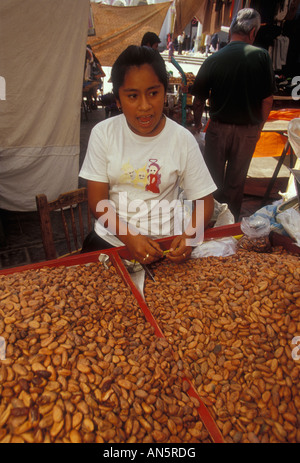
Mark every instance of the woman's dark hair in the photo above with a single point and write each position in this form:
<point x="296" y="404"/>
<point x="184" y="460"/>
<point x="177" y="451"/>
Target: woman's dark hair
<point x="137" y="56"/>
<point x="150" y="38"/>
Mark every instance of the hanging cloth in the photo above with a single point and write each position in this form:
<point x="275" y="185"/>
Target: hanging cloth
<point x="237" y="6"/>
<point x="280" y="51"/>
<point x="293" y="8"/>
<point x="226" y="21"/>
<point x="283" y="8"/>
<point x="211" y="20"/>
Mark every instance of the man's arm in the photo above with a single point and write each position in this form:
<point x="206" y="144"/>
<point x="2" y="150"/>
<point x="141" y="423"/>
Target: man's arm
<point x="198" y="108"/>
<point x="266" y="107"/>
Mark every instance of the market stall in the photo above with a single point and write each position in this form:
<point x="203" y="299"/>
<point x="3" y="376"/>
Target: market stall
<point x="194" y="356"/>
<point x="179" y="104"/>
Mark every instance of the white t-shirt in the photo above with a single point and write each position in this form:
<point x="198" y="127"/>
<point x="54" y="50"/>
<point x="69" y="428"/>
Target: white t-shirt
<point x="145" y="174"/>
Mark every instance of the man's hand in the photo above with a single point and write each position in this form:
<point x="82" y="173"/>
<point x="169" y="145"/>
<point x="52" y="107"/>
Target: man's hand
<point x="195" y="129"/>
<point x="198" y="108"/>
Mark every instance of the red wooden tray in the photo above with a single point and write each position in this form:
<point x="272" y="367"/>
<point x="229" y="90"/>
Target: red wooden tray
<point x="116" y="255"/>
<point x="220" y="232"/>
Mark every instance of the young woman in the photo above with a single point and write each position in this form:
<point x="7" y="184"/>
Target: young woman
<point x="138" y="162"/>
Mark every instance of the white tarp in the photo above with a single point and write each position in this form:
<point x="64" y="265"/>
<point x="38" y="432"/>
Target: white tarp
<point x="42" y="53"/>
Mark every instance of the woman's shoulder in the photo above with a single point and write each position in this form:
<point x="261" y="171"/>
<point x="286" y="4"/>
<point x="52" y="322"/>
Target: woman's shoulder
<point x="178" y="130"/>
<point x="173" y="125"/>
<point x="109" y="124"/>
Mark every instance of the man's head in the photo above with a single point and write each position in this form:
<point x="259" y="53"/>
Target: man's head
<point x="246" y="24"/>
<point x="151" y="40"/>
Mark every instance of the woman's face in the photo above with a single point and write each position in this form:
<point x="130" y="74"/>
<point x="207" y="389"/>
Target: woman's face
<point x="142" y="98"/>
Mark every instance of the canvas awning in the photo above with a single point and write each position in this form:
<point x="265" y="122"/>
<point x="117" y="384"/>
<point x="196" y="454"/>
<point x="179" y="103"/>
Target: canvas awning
<point x="42" y="57"/>
<point x="211" y="14"/>
<point x="116" y="27"/>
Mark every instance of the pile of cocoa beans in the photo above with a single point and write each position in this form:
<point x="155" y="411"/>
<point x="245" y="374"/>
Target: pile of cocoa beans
<point x="82" y="364"/>
<point x="233" y="321"/>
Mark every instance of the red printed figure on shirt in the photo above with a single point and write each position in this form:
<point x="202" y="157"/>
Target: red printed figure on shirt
<point x="153" y="176"/>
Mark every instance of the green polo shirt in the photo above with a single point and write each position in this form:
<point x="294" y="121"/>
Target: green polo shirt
<point x="236" y="79"/>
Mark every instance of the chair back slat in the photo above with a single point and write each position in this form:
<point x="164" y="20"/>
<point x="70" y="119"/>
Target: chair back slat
<point x="73" y="227"/>
<point x="66" y="230"/>
<point x="46" y="226"/>
<point x="81" y="226"/>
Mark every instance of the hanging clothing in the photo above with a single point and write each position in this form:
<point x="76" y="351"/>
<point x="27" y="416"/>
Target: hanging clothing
<point x="212" y="19"/>
<point x="266" y="36"/>
<point x="293" y="8"/>
<point x="237" y="5"/>
<point x="226" y="13"/>
<point x="279" y="52"/>
<point x="283" y="8"/>
<point x="267" y="9"/>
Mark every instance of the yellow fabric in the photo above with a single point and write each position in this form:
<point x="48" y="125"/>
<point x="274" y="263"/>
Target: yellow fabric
<point x="270" y="144"/>
<point x="284" y="114"/>
<point x="117" y="27"/>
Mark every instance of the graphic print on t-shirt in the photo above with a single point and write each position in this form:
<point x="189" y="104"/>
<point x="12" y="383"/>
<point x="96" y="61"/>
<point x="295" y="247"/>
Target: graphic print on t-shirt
<point x="153" y="176"/>
<point x="140" y="180"/>
<point x="146" y="177"/>
<point x="129" y="173"/>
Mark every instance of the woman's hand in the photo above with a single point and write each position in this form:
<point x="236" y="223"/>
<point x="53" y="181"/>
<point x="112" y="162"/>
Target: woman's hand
<point x="143" y="249"/>
<point x="179" y="251"/>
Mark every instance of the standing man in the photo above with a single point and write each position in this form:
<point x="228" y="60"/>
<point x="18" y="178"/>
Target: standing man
<point x="180" y="39"/>
<point x="207" y="43"/>
<point x="239" y="82"/>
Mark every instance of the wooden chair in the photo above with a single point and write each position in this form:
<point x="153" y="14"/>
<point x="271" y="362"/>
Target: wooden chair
<point x="73" y="207"/>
